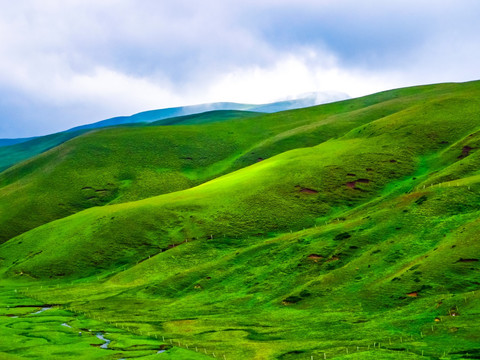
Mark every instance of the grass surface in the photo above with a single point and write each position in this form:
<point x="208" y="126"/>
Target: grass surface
<point x="206" y="117"/>
<point x="347" y="230"/>
<point x="126" y="164"/>
<point x="15" y="153"/>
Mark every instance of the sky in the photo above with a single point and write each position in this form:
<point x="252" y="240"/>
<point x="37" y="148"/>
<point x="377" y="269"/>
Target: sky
<point x="69" y="62"/>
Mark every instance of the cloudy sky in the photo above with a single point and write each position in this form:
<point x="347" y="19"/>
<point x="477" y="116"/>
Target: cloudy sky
<point x="70" y="62"/>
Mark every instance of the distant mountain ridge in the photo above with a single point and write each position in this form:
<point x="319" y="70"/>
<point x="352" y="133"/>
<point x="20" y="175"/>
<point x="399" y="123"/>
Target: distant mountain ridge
<point x="8" y="142"/>
<point x="157" y="115"/>
<point x="160" y="114"/>
<point x="13" y="151"/>
<point x="310" y="99"/>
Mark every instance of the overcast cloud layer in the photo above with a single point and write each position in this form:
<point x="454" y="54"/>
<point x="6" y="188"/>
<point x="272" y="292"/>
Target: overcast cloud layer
<point x="70" y="62"/>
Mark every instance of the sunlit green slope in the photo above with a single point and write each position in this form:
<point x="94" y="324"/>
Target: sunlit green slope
<point x="125" y="164"/>
<point x="358" y="227"/>
<point x="292" y="190"/>
<point x="14" y="151"/>
<point x="119" y="164"/>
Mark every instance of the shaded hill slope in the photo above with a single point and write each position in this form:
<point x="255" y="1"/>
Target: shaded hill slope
<point x="294" y="189"/>
<point x="8" y="142"/>
<point x="206" y="117"/>
<point x="162" y="114"/>
<point x="368" y="234"/>
<point x="14" y="151"/>
<point x="125" y="164"/>
<point x="14" y="155"/>
<point x="23" y="150"/>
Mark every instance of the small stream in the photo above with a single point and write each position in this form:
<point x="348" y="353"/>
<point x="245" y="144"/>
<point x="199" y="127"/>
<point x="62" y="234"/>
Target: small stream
<point x="42" y="310"/>
<point x="98" y="334"/>
<point x="107" y="341"/>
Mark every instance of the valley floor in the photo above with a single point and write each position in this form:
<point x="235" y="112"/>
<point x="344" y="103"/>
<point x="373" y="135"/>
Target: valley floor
<point x="45" y="321"/>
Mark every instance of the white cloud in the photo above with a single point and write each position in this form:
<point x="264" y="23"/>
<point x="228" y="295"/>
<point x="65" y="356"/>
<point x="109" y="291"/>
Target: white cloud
<point x="95" y="59"/>
<point x="293" y="75"/>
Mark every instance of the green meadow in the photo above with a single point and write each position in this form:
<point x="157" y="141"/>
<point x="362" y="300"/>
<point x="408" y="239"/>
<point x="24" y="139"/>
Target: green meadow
<point x="347" y="230"/>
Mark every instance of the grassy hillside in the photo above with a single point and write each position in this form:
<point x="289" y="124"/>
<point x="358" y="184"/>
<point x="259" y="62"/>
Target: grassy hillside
<point x="8" y="142"/>
<point x="206" y="117"/>
<point x="114" y="165"/>
<point x="295" y="189"/>
<point x="162" y="114"/>
<point x="355" y="236"/>
<point x="126" y="164"/>
<point x="16" y="153"/>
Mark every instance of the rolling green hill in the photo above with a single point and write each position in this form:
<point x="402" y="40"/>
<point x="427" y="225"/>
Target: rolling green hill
<point x="162" y="116"/>
<point x="14" y="151"/>
<point x="8" y="142"/>
<point x="141" y="162"/>
<point x="347" y="230"/>
<point x="125" y="164"/>
<point x="206" y="117"/>
<point x="18" y="152"/>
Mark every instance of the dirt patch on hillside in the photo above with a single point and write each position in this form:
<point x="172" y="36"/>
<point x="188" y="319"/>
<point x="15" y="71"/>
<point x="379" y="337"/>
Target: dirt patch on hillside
<point x="333" y="258"/>
<point x="465" y="152"/>
<point x="315" y="257"/>
<point x="291" y="300"/>
<point x="305" y="190"/>
<point x="352" y="184"/>
<point x="309" y="191"/>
